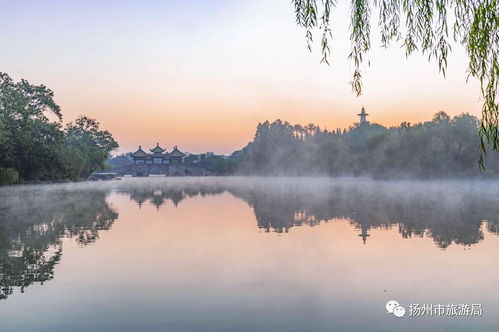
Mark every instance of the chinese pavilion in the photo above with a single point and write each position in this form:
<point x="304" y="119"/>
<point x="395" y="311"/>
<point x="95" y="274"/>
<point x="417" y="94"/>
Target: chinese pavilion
<point x="169" y="164"/>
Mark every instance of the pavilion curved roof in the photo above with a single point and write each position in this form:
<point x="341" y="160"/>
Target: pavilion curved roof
<point x="176" y="153"/>
<point x="157" y="149"/>
<point x="139" y="153"/>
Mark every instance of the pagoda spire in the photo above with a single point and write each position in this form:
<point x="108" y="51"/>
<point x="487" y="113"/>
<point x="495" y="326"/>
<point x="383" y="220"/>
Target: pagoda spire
<point x="363" y="233"/>
<point x="363" y="116"/>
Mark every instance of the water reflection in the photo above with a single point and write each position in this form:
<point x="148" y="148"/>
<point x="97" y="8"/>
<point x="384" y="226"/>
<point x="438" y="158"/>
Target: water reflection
<point x="447" y="212"/>
<point x="32" y="224"/>
<point x="33" y="220"/>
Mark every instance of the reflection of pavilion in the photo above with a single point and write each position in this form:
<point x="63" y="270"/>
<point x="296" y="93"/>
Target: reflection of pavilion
<point x="138" y="197"/>
<point x="157" y="197"/>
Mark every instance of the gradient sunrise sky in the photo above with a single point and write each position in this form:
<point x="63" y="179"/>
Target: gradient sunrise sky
<point x="202" y="74"/>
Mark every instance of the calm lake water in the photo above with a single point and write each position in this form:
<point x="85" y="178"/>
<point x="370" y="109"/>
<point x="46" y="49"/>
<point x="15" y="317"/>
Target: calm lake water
<point x="247" y="254"/>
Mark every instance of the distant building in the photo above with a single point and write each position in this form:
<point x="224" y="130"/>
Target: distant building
<point x="176" y="165"/>
<point x="169" y="164"/>
<point x="363" y="116"/>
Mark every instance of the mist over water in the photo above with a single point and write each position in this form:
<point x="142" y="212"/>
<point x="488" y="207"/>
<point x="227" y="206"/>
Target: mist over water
<point x="267" y="253"/>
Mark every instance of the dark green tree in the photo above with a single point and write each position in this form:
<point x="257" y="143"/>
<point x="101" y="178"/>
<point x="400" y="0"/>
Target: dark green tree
<point x="29" y="140"/>
<point x="33" y="145"/>
<point x="86" y="147"/>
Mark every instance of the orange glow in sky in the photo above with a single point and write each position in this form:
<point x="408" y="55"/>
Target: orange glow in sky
<point x="202" y="74"/>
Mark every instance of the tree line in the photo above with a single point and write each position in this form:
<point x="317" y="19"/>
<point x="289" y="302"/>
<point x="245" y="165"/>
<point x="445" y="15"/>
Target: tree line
<point x="441" y="148"/>
<point x="444" y="147"/>
<point x="34" y="144"/>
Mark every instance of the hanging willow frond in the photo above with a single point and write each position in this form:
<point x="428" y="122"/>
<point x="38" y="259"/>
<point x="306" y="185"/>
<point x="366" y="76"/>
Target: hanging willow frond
<point x="426" y="29"/>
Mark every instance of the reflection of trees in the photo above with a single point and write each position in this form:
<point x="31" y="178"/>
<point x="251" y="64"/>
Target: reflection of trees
<point x="493" y="227"/>
<point x="21" y="268"/>
<point x="422" y="212"/>
<point x="33" y="221"/>
<point x="32" y="224"/>
<point x="450" y="212"/>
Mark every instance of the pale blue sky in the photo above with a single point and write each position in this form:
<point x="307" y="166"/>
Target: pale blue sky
<point x="202" y="74"/>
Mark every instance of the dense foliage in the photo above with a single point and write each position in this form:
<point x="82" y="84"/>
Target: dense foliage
<point x="443" y="147"/>
<point x="38" y="147"/>
<point x="8" y="176"/>
<point x="121" y="160"/>
<point x="421" y="26"/>
<point x="213" y="163"/>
